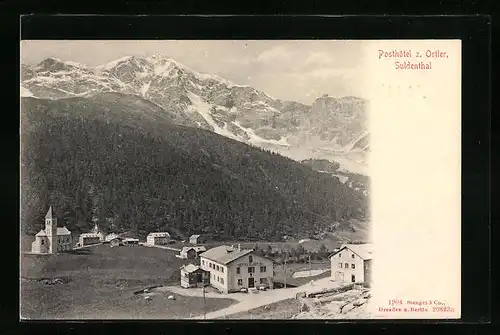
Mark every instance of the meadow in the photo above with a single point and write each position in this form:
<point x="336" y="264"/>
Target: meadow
<point x="100" y="281"/>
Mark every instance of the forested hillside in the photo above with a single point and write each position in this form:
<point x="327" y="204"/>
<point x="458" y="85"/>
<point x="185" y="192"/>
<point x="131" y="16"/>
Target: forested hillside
<point x="118" y="160"/>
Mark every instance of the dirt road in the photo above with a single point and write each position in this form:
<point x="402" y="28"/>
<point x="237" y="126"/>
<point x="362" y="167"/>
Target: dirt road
<point x="249" y="301"/>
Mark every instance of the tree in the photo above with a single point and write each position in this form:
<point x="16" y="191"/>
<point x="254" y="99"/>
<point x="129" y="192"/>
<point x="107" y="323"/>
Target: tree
<point x="270" y="250"/>
<point x="323" y="251"/>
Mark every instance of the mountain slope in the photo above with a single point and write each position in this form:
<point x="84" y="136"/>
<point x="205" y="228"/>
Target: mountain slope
<point x="128" y="165"/>
<point x="241" y="112"/>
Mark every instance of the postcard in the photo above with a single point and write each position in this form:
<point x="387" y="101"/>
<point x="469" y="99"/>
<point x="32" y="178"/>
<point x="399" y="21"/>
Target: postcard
<point x="240" y="179"/>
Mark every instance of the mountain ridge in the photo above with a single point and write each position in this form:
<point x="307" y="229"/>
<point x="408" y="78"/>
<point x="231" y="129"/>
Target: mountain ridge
<point x="323" y="129"/>
<point x="126" y="166"/>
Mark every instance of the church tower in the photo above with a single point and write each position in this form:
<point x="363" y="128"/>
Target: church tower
<point x="51" y="230"/>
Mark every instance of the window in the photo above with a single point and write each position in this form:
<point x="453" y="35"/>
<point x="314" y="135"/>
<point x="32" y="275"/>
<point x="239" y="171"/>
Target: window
<point x="353" y="278"/>
<point x="250" y="259"/>
<point x="222" y="280"/>
<point x="240" y="282"/>
<point x="346" y="265"/>
<point x="352" y="255"/>
<point x="262" y="280"/>
<point x="202" y="262"/>
<point x="353" y="266"/>
<point x="42" y="242"/>
<point x="238" y="271"/>
<point x="262" y="269"/>
<point x="217" y="267"/>
<point x="340" y="255"/>
<point x="251" y="269"/>
<point x="340" y="265"/>
<point x="222" y="269"/>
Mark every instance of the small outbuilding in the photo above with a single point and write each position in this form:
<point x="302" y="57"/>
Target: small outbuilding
<point x="110" y="237"/>
<point x="115" y="242"/>
<point x="194" y="276"/>
<point x="195" y="239"/>
<point x="130" y="241"/>
<point x="191" y="252"/>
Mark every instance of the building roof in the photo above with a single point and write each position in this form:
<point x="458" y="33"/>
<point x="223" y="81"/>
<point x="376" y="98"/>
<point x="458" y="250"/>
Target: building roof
<point x="129" y="239"/>
<point x="90" y="235"/>
<point x="49" y="213"/>
<point x="195" y="236"/>
<point x="159" y="234"/>
<point x="190" y="268"/>
<point x="41" y="233"/>
<point x="197" y="249"/>
<point x="63" y="231"/>
<point x="60" y="231"/>
<point x="365" y="250"/>
<point x="225" y="254"/>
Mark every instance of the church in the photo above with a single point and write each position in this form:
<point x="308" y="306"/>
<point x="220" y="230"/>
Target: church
<point x="52" y="239"/>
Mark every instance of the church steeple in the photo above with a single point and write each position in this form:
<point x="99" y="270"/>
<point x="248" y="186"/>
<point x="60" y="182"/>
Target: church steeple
<point x="51" y="230"/>
<point x="49" y="213"/>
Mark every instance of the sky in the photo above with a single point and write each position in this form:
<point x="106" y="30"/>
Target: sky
<point x="289" y="70"/>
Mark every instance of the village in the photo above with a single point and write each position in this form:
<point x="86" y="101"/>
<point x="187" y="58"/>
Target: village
<point x="232" y="280"/>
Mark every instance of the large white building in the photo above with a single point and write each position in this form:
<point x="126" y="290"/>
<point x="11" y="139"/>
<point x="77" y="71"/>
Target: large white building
<point x="352" y="263"/>
<point x="160" y="238"/>
<point x="52" y="239"/>
<point x="94" y="237"/>
<point x="232" y="269"/>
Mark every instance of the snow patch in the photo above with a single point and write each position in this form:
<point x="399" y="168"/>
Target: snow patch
<point x="145" y="88"/>
<point x="25" y="92"/>
<point x="203" y="109"/>
<point x="257" y="140"/>
<point x="114" y="63"/>
<point x="75" y="64"/>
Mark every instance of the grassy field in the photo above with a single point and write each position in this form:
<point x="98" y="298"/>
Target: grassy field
<point x="291" y="268"/>
<point x="101" y="284"/>
<point x="278" y="311"/>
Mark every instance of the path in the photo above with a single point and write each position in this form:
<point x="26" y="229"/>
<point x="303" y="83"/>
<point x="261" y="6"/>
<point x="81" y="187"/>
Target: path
<point x="87" y="246"/>
<point x="247" y="301"/>
<point x="159" y="246"/>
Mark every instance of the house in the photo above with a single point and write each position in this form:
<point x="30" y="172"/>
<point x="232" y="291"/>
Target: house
<point x="161" y="238"/>
<point x="88" y="239"/>
<point x="195" y="239"/>
<point x="232" y="268"/>
<point x="116" y="242"/>
<point x="191" y="252"/>
<point x="352" y="263"/>
<point x="130" y="241"/>
<point x="52" y="239"/>
<point x="193" y="276"/>
<point x="94" y="237"/>
<point x="110" y="237"/>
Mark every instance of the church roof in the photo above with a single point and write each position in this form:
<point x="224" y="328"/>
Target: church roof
<point x="49" y="213"/>
<point x="60" y="231"/>
<point x="63" y="231"/>
<point x="41" y="233"/>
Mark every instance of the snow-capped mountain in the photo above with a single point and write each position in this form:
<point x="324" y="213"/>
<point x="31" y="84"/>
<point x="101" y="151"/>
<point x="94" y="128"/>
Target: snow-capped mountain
<point x="330" y="128"/>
